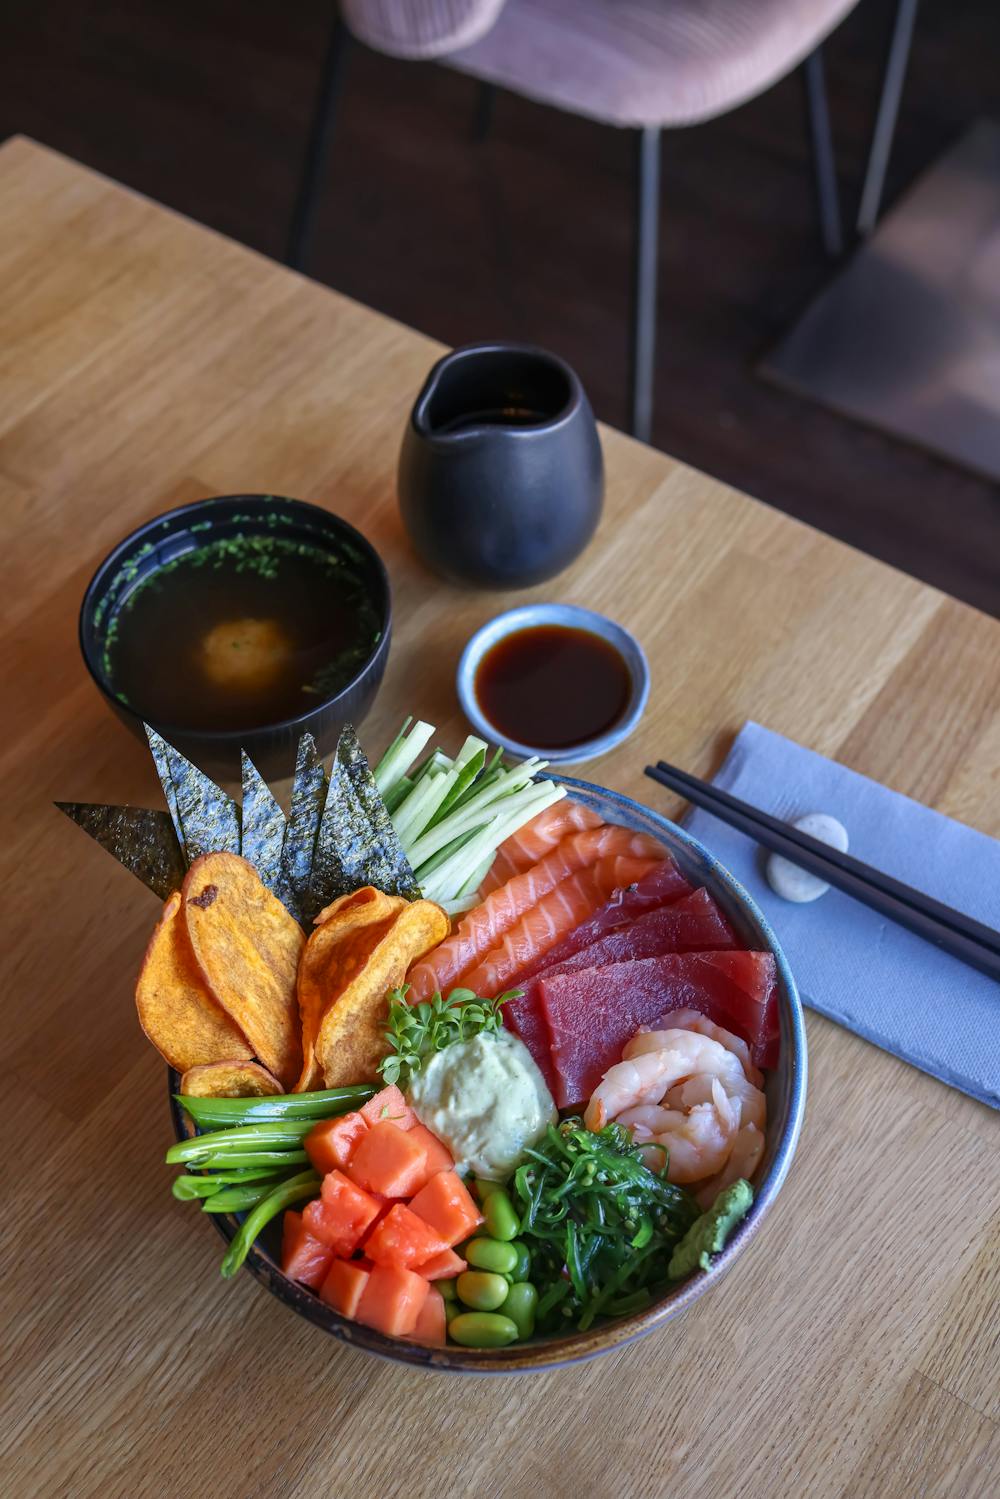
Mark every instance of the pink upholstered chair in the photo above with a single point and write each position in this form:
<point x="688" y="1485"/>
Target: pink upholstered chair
<point x="642" y="65"/>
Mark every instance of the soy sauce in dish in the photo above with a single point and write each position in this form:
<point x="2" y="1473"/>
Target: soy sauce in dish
<point x="552" y="686"/>
<point x="241" y="632"/>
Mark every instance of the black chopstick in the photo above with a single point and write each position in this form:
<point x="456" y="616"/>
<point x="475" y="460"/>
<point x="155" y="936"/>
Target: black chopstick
<point x="926" y="904"/>
<point x="950" y="930"/>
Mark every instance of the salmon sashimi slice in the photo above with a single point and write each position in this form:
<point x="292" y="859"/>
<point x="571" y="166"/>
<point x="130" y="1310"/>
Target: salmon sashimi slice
<point x="568" y="904"/>
<point x="538" y="837"/>
<point x="482" y="928"/>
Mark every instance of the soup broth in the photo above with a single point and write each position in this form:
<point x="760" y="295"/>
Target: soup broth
<point x="241" y="632"/>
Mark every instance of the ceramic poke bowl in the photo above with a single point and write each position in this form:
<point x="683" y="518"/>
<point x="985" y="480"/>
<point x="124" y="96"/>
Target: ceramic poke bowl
<point x="785" y="1090"/>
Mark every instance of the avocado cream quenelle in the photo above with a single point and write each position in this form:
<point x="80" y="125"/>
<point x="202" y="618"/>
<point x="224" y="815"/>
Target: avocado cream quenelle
<point x="486" y="1099"/>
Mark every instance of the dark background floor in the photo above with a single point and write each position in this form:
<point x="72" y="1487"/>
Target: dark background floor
<point x="203" y="104"/>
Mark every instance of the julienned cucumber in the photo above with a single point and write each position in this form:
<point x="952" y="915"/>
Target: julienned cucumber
<point x="452" y="815"/>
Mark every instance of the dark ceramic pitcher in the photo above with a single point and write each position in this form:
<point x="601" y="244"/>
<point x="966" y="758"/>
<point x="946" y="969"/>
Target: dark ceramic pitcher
<point x="500" y="476"/>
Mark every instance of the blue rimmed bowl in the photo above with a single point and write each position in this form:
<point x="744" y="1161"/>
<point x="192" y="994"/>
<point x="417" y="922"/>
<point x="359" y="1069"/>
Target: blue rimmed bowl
<point x="571" y="617"/>
<point x="786" y="1095"/>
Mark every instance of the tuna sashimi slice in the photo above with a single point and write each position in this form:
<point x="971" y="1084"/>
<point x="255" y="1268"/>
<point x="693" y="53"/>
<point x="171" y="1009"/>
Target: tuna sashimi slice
<point x="544" y="925"/>
<point x="693" y="924"/>
<point x="531" y="843"/>
<point x="593" y="1012"/>
<point x="660" y="887"/>
<point x="482" y="929"/>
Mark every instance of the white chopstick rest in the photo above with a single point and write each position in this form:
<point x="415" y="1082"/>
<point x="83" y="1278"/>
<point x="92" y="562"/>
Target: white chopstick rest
<point x="787" y="879"/>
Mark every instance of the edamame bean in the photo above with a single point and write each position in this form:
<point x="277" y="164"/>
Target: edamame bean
<point x="447" y="1289"/>
<point x="482" y="1330"/>
<point x="480" y="1290"/>
<point x="483" y="1187"/>
<point x="522" y="1269"/>
<point x="501" y="1220"/>
<point x="520" y="1307"/>
<point x="492" y="1254"/>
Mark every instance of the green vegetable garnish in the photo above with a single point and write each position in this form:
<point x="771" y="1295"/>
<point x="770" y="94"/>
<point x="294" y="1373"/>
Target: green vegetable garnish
<point x="418" y="1031"/>
<point x="709" y="1234"/>
<point x="296" y="1189"/>
<point x="599" y="1224"/>
<point x="451" y="815"/>
<point x="230" y="1113"/>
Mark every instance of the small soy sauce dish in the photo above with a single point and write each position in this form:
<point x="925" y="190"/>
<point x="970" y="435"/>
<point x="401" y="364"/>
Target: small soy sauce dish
<point x="501" y="476"/>
<point x="553" y="680"/>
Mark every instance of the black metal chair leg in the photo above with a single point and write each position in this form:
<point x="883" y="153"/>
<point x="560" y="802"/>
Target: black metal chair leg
<point x="485" y="103"/>
<point x="317" y="146"/>
<point x="885" y="120"/>
<point x="647" y="228"/>
<point x="824" y="163"/>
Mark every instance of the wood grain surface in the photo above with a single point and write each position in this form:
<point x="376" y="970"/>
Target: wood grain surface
<point x="854" y="1349"/>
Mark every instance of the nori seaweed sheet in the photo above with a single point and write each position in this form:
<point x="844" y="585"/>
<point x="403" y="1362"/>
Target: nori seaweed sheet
<point x="160" y="750"/>
<point x="142" y="839"/>
<point x="385" y="866"/>
<point x="339" y="860"/>
<point x="210" y="820"/>
<point x="309" y="789"/>
<point x="262" y="827"/>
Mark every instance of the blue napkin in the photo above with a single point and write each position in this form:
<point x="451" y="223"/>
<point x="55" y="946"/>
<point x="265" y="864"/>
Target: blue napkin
<point x="852" y="965"/>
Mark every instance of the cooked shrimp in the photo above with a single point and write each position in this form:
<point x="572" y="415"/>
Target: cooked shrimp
<point x="748" y="1147"/>
<point x="698" y="1140"/>
<point x="643" y="1080"/>
<point x="694" y="1020"/>
<point x="718" y="1062"/>
<point x="685" y="1092"/>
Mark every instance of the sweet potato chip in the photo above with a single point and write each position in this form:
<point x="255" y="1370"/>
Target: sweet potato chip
<point x="360" y="919"/>
<point x="176" y="1010"/>
<point x="247" y="950"/>
<point x="351" y="1040"/>
<point x="229" y="1080"/>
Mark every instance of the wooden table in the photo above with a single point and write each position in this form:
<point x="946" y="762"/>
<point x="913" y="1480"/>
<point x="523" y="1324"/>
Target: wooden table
<point x="854" y="1351"/>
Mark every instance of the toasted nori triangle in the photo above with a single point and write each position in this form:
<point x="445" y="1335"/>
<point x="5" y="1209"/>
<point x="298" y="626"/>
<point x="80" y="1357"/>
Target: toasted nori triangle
<point x="160" y="751"/>
<point x="342" y="844"/>
<point x="209" y="819"/>
<point x="262" y="827"/>
<point x="308" y="797"/>
<point x="385" y="866"/>
<point x="139" y="837"/>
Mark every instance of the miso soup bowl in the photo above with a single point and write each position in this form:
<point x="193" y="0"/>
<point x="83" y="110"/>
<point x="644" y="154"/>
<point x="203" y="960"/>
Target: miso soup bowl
<point x="786" y="1094"/>
<point x="271" y="746"/>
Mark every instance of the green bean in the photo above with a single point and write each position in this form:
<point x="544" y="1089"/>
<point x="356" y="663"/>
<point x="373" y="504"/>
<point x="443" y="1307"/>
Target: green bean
<point x="501" y="1220"/>
<point x="492" y="1254"/>
<point x="231" y="1160"/>
<point x="239" y="1175"/>
<point x="251" y="1137"/>
<point x="218" y="1113"/>
<point x="522" y="1269"/>
<point x="482" y="1330"/>
<point x="238" y="1199"/>
<point x="191" y="1188"/>
<point x="521" y="1306"/>
<point x="296" y="1189"/>
<point x="480" y="1290"/>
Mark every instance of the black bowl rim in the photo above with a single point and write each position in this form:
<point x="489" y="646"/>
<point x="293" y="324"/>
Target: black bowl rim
<point x="232" y="736"/>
